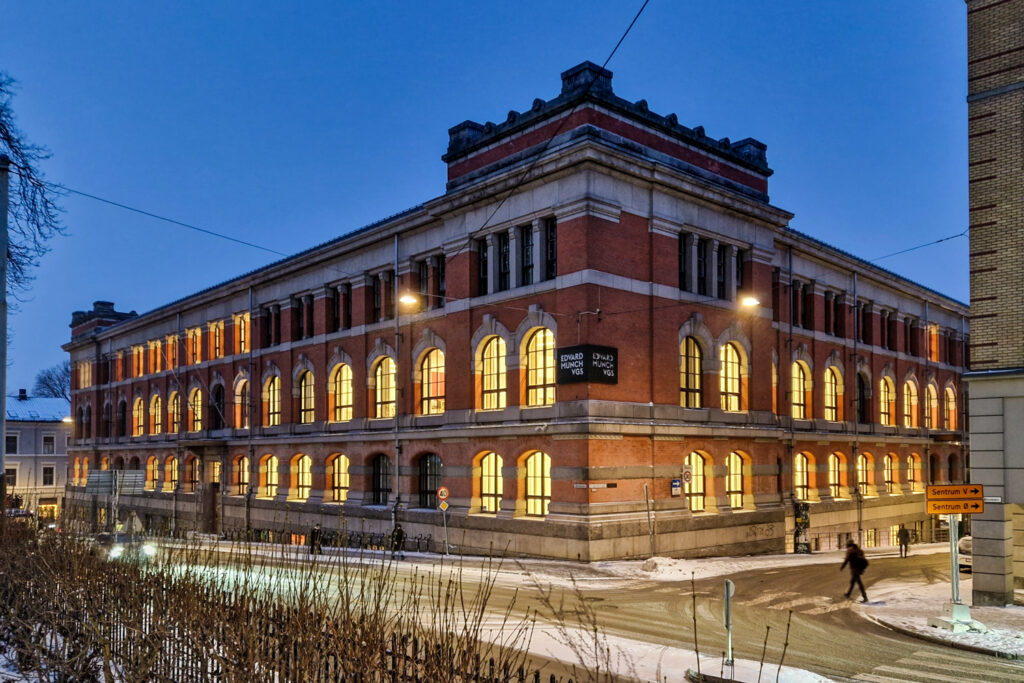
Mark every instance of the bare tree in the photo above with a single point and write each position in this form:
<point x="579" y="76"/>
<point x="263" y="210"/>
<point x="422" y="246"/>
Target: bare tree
<point x="54" y="382"/>
<point x="33" y="212"/>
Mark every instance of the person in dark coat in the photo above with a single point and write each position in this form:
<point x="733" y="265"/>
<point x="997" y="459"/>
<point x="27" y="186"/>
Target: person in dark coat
<point x="858" y="563"/>
<point x="398" y="541"/>
<point x="315" y="539"/>
<point x="903" y="537"/>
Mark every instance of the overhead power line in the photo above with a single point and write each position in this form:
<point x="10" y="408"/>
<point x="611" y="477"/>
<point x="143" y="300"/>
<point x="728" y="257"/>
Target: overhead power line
<point x="922" y="246"/>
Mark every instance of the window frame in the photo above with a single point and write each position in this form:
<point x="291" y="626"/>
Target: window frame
<point x="430" y="473"/>
<point x="801" y="476"/>
<point x="734" y="489"/>
<point x="493" y="374"/>
<point x="492" y="485"/>
<point x="537" y="490"/>
<point x="385" y="394"/>
<point x="432" y="382"/>
<point x="540" y="368"/>
<point x="691" y="373"/>
<point x="307" y="398"/>
<point x="695" y="490"/>
<point x="730" y="383"/>
<point x="341" y="385"/>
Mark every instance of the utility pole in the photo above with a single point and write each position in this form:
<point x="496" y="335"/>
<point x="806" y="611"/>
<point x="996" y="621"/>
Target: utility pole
<point x="5" y="178"/>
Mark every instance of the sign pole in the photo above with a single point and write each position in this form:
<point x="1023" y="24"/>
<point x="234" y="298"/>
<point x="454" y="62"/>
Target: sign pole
<point x="954" y="555"/>
<point x="730" y="589"/>
<point x="444" y="520"/>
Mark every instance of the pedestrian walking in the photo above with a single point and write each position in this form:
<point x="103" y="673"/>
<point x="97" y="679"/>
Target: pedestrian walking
<point x="398" y="542"/>
<point x="858" y="563"/>
<point x="903" y="538"/>
<point x="315" y="538"/>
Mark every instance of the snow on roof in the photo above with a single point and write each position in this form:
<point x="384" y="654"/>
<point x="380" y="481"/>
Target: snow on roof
<point x="37" y="409"/>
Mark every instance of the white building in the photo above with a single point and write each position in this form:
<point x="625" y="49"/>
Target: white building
<point x="36" y="452"/>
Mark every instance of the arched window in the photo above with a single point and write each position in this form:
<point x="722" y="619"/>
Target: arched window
<point x="694" y="489"/>
<point x="272" y="402"/>
<point x="491" y="487"/>
<point x="193" y="472"/>
<point x="730" y="377"/>
<point x="691" y="374"/>
<point x="914" y="472"/>
<point x="801" y="488"/>
<point x="174" y="413"/>
<point x="931" y="410"/>
<point x="950" y="412"/>
<point x="887" y="402"/>
<point x="242" y="405"/>
<point x="138" y="417"/>
<point x="538" y="484"/>
<point x="429" y="480"/>
<point x="152" y="472"/>
<point x="339" y="478"/>
<point x="85" y="472"/>
<point x="171" y="474"/>
<point x="863" y="401"/>
<point x="909" y="404"/>
<point x="734" y="480"/>
<point x="217" y="420"/>
<point x="271" y="476"/>
<point x="492" y="374"/>
<point x="307" y="410"/>
<point x="889" y="465"/>
<point x="799" y="389"/>
<point x="303" y="476"/>
<point x="835" y="475"/>
<point x="242" y="475"/>
<point x="540" y="368"/>
<point x="384" y="388"/>
<point x="195" y="410"/>
<point x="156" y="415"/>
<point x="831" y="394"/>
<point x="863" y="474"/>
<point x="432" y="383"/>
<point x="381" y="479"/>
<point x="341" y="393"/>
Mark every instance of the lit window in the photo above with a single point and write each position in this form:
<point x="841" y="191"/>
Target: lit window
<point x="538" y="484"/>
<point x="217" y="339"/>
<point x="950" y="414"/>
<point x="886" y="402"/>
<point x="931" y="412"/>
<point x="242" y="330"/>
<point x="432" y="383"/>
<point x="730" y="377"/>
<point x="242" y="406"/>
<point x="341" y="393"/>
<point x="831" y="395"/>
<point x="270" y="476"/>
<point x="307" y="411"/>
<point x="909" y="404"/>
<point x="491" y="485"/>
<point x="835" y="475"/>
<point x="914" y="472"/>
<point x="493" y="375"/>
<point x="174" y="412"/>
<point x="384" y="389"/>
<point x="863" y="474"/>
<point x="540" y="368"/>
<point x="691" y="374"/>
<point x="195" y="345"/>
<point x="734" y="480"/>
<point x="172" y="351"/>
<point x="156" y="415"/>
<point x="139" y="417"/>
<point x="152" y="472"/>
<point x="272" y="402"/>
<point x="171" y="474"/>
<point x="799" y="389"/>
<point x="889" y="465"/>
<point x="195" y="410"/>
<point x="694" y="489"/>
<point x="339" y="478"/>
<point x="801" y="477"/>
<point x="242" y="475"/>
<point x="303" y="476"/>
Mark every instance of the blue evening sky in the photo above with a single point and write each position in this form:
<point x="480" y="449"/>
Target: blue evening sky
<point x="287" y="124"/>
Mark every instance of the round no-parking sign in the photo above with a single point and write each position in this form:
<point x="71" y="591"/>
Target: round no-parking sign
<point x="442" y="493"/>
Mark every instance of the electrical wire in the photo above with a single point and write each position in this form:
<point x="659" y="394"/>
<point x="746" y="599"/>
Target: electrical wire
<point x="922" y="246"/>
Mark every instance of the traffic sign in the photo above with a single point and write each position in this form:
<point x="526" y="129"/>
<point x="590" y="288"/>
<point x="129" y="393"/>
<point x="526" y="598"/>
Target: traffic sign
<point x="954" y="507"/>
<point x="442" y="493"/>
<point x="443" y="505"/>
<point x="955" y="492"/>
<point x="687" y="474"/>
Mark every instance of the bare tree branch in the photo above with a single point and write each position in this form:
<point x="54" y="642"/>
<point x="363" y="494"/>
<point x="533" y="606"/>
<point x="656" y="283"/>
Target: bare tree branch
<point x="33" y="214"/>
<point x="54" y="382"/>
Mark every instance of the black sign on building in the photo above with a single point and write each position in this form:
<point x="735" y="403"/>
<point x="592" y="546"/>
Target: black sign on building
<point x="588" y="363"/>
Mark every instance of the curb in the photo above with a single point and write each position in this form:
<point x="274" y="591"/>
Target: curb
<point x="1001" y="654"/>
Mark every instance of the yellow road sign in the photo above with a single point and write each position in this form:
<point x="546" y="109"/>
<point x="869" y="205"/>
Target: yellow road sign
<point x="443" y="505"/>
<point x="954" y="507"/>
<point x="955" y="491"/>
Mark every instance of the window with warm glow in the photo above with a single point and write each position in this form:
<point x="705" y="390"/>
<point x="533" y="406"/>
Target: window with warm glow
<point x="195" y="346"/>
<point x="694" y="489"/>
<point x="272" y="391"/>
<point x="831" y="394"/>
<point x="950" y="413"/>
<point x="339" y="478"/>
<point x="730" y="377"/>
<point x="491" y="485"/>
<point x="889" y="464"/>
<point x="307" y="399"/>
<point x="341" y="393"/>
<point x="835" y="475"/>
<point x="242" y="472"/>
<point x="174" y="412"/>
<point x="909" y="404"/>
<point x="540" y="368"/>
<point x="538" y="484"/>
<point x="691" y="374"/>
<point x="863" y="474"/>
<point x="138" y="417"/>
<point x="886" y="402"/>
<point x="432" y="383"/>
<point x="493" y="374"/>
<point x="242" y="331"/>
<point x="271" y="476"/>
<point x="734" y="480"/>
<point x="931" y="411"/>
<point x="801" y="477"/>
<point x="799" y="390"/>
<point x="156" y="415"/>
<point x="195" y="410"/>
<point x="384" y="388"/>
<point x="303" y="477"/>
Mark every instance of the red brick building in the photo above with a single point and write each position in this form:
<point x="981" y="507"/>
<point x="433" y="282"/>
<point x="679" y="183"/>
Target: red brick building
<point x="614" y="342"/>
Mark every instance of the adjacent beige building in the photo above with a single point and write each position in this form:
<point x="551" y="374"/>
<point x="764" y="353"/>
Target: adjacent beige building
<point x="995" y="78"/>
